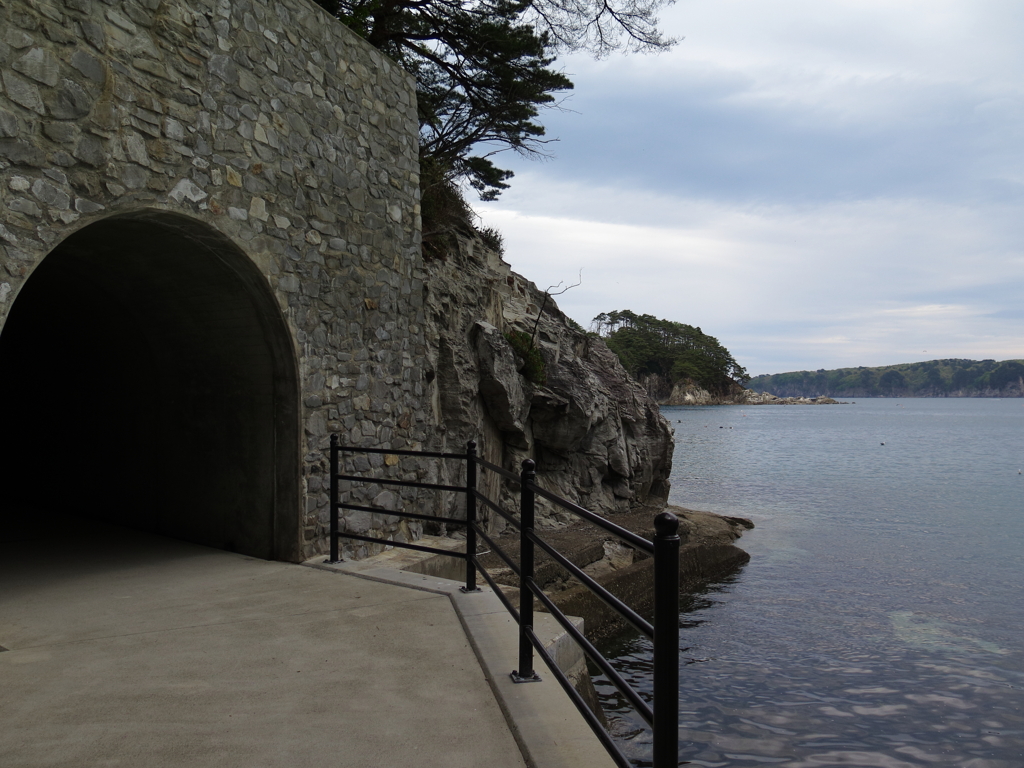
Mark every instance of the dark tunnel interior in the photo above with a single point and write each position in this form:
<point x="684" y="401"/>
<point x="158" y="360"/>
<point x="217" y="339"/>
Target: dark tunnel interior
<point x="147" y="379"/>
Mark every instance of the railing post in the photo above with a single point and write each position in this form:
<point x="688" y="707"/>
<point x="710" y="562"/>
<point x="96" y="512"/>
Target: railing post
<point x="334" y="500"/>
<point x="526" y="673"/>
<point x="470" y="518"/>
<point x="666" y="641"/>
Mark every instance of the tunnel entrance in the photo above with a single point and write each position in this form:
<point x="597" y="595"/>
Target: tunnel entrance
<point x="148" y="379"/>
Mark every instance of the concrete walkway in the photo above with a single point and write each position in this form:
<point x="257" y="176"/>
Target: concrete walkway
<point x="124" y="649"/>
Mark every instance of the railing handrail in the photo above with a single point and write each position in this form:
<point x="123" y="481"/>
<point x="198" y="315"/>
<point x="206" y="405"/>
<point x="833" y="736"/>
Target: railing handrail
<point x="406" y="483"/>
<point x="664" y="631"/>
<point x="642" y="625"/>
<point x="507" y="474"/>
<point x="616" y="530"/>
<point x="402" y="452"/>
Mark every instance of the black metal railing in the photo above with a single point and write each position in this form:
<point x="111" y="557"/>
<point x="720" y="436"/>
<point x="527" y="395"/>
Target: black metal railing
<point x="663" y="716"/>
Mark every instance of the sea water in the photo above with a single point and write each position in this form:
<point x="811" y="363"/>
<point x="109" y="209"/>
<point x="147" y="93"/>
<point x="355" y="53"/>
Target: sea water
<point x="880" y="620"/>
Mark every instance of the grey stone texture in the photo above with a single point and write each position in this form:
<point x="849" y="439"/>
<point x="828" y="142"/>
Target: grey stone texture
<point x="271" y="124"/>
<point x="596" y="435"/>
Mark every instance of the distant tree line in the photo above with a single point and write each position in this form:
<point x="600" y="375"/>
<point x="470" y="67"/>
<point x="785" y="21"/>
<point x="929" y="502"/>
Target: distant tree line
<point x="935" y="378"/>
<point x="669" y="352"/>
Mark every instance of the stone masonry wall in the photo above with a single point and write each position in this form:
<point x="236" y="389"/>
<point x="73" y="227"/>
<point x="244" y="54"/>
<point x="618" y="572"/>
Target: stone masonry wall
<point x="268" y="122"/>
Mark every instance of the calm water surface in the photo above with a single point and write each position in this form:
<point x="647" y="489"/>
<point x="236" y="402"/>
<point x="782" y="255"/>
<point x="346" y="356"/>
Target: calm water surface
<point x="880" y="621"/>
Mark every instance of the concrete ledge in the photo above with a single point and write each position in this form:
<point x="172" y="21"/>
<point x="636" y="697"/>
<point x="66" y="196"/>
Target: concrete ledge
<point x="549" y="730"/>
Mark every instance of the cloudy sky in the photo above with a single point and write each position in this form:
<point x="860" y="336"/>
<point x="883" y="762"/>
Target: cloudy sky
<point x="817" y="184"/>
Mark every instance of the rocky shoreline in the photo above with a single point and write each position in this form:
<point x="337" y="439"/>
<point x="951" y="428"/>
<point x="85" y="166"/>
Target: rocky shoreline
<point x="692" y="395"/>
<point x="764" y="398"/>
<point x="707" y="552"/>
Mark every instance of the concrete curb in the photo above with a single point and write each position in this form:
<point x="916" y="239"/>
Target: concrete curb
<point x="549" y="730"/>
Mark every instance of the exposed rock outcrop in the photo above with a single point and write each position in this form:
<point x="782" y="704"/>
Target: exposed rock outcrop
<point x="707" y="552"/>
<point x="765" y="398"/>
<point x="687" y="393"/>
<point x="597" y="437"/>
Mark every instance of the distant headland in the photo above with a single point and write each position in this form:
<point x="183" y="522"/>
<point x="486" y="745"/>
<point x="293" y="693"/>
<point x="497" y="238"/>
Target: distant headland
<point x="934" y="378"/>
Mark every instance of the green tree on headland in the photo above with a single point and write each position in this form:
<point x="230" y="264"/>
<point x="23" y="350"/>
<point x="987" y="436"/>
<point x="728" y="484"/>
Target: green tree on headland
<point x="892" y="382"/>
<point x="672" y="351"/>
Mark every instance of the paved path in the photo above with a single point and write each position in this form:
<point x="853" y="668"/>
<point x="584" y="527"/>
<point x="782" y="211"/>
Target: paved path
<point x="125" y="649"/>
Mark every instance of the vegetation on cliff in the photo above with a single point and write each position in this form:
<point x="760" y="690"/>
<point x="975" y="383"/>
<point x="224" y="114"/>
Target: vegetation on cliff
<point x="533" y="368"/>
<point x="673" y="352"/>
<point x="934" y="378"/>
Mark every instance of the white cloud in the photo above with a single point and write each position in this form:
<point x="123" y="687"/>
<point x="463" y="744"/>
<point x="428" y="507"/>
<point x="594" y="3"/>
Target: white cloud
<point x="803" y="100"/>
<point x="816" y="184"/>
<point x="783" y="287"/>
<point x="933" y="311"/>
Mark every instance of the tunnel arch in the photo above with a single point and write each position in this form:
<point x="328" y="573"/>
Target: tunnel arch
<point x="150" y="380"/>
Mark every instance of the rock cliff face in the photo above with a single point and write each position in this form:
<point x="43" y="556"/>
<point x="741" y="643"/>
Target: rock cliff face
<point x="597" y="437"/>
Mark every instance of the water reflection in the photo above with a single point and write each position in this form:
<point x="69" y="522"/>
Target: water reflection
<point x="879" y="622"/>
<point x="885" y="709"/>
<point x="919" y="630"/>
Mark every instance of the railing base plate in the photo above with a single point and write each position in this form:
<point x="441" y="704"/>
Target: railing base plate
<point x="328" y="561"/>
<point x="517" y="679"/>
<point x="468" y="591"/>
